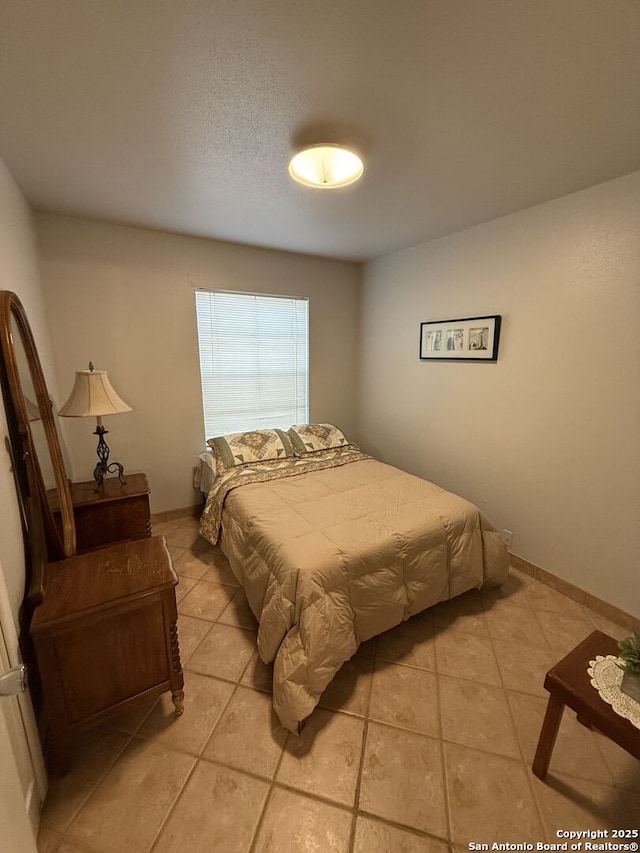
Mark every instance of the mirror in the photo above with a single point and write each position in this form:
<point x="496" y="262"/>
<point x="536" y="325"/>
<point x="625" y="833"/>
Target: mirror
<point x="38" y="434"/>
<point x="33" y="414"/>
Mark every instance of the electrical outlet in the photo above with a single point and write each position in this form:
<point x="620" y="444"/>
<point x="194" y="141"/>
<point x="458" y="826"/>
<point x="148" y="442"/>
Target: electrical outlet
<point x="507" y="538"/>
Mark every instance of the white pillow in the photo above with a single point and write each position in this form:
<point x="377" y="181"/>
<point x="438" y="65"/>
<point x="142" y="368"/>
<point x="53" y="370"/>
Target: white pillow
<point x="206" y="472"/>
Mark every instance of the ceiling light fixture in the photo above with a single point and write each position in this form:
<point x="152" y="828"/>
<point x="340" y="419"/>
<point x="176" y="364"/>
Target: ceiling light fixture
<point x="326" y="166"/>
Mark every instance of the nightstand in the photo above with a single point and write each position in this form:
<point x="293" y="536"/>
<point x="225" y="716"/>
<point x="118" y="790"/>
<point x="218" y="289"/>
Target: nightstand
<point x="116" y="513"/>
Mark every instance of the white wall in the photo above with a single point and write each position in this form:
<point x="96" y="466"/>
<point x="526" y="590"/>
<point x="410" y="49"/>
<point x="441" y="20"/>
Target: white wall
<point x="124" y="298"/>
<point x="19" y="273"/>
<point x="546" y="441"/>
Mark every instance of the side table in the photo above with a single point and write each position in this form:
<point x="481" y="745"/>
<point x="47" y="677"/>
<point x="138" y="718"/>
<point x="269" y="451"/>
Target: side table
<point x="569" y="684"/>
<point x="115" y="513"/>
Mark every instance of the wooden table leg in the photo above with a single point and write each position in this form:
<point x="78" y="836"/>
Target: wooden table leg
<point x="548" y="734"/>
<point x="177" y="697"/>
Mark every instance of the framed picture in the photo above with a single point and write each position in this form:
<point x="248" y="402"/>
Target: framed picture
<point x="469" y="339"/>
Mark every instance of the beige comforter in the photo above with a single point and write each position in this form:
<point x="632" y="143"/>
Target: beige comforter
<point x="339" y="554"/>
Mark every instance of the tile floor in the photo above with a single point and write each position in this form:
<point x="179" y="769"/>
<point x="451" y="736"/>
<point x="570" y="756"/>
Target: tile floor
<point x="423" y="741"/>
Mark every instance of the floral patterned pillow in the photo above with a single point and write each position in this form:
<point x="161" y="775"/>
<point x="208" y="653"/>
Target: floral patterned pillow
<point x="311" y="438"/>
<point x="244" y="448"/>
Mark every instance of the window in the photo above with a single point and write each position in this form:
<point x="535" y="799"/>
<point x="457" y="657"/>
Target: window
<point x="254" y="361"/>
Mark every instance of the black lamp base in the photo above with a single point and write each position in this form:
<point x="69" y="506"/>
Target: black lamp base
<point x="105" y="467"/>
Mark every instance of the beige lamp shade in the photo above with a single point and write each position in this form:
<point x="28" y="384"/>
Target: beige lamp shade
<point x="93" y="396"/>
<point x="33" y="412"/>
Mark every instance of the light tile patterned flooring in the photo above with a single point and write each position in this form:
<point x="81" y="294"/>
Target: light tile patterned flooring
<point x="423" y="741"/>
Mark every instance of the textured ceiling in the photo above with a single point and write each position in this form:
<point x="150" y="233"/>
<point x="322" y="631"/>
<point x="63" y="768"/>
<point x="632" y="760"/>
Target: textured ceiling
<point x="182" y="115"/>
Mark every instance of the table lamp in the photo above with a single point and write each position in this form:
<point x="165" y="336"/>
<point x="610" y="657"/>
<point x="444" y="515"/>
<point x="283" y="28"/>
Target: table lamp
<point x="94" y="396"/>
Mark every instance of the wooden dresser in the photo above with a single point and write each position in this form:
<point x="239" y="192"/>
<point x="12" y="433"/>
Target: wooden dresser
<point x="105" y="638"/>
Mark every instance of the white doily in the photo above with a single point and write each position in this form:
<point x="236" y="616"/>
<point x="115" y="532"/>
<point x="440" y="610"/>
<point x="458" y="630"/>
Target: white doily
<point x="606" y="677"/>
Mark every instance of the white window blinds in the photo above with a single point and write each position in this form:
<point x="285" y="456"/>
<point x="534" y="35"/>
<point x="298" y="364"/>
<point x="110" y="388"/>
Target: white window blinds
<point x="254" y="361"/>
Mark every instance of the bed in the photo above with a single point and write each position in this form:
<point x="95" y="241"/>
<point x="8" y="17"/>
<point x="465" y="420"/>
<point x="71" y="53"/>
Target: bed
<point x="333" y="547"/>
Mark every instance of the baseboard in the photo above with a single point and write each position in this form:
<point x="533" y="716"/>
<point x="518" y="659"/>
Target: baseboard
<point x="602" y="608"/>
<point x="173" y="514"/>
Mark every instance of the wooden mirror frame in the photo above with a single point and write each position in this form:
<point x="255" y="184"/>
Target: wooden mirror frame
<point x="61" y="537"/>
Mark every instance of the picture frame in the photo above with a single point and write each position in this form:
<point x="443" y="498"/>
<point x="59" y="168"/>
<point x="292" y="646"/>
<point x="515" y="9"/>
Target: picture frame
<point x="465" y="339"/>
